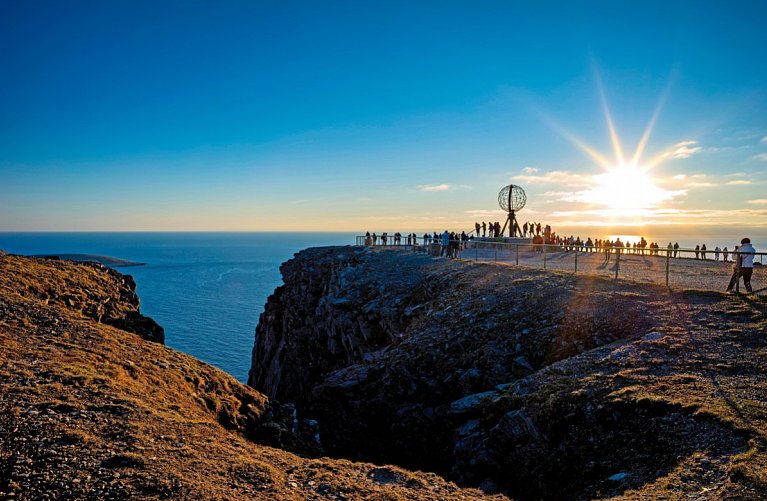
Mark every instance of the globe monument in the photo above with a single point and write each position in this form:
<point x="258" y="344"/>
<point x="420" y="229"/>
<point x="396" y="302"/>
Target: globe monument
<point x="512" y="198"/>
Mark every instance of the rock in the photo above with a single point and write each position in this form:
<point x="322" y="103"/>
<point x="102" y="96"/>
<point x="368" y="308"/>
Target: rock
<point x="652" y="336"/>
<point x="496" y="376"/>
<point x="470" y="403"/>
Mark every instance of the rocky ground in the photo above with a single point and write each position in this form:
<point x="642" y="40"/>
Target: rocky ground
<point x="537" y="384"/>
<point x="90" y="410"/>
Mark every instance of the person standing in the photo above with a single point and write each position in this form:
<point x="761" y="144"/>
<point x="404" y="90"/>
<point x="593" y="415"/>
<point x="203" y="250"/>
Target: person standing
<point x="676" y="248"/>
<point x="445" y="242"/>
<point x="717" y="250"/>
<point x="744" y="265"/>
<point x="725" y="253"/>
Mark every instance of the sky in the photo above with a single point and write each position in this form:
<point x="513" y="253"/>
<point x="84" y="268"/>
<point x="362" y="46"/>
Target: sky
<point x="380" y="115"/>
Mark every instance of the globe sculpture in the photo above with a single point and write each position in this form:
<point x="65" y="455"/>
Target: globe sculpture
<point x="512" y="198"/>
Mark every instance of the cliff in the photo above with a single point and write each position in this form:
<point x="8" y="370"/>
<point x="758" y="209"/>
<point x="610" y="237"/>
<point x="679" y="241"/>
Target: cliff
<point x="93" y="291"/>
<point x="93" y="406"/>
<point x="531" y="383"/>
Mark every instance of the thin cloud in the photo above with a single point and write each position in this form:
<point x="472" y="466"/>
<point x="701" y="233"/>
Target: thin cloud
<point x="760" y="156"/>
<point x="482" y="213"/>
<point x="434" y="187"/>
<point x="664" y="216"/>
<point x="555" y="177"/>
<point x="764" y="140"/>
<point x="682" y="177"/>
<point x="738" y="182"/>
<point x="758" y="201"/>
<point x="530" y="170"/>
<point x="700" y="185"/>
<point x="685" y="149"/>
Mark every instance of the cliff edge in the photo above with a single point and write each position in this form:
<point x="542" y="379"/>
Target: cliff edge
<point x="90" y="409"/>
<point x="531" y="383"/>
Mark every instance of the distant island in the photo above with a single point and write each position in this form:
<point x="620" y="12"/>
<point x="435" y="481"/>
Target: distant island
<point x="112" y="262"/>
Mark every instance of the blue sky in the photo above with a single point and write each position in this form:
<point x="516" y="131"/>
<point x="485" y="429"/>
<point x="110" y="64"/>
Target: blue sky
<point x="387" y="115"/>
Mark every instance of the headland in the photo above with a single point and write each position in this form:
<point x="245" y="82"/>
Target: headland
<point x="529" y="382"/>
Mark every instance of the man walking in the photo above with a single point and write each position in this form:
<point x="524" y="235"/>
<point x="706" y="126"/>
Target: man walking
<point x="744" y="266"/>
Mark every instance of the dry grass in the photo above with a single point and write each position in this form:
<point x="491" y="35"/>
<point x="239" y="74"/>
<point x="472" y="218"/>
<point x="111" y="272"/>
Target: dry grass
<point x="120" y="416"/>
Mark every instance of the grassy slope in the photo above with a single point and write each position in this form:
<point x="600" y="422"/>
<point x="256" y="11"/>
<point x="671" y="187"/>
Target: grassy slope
<point x="90" y="410"/>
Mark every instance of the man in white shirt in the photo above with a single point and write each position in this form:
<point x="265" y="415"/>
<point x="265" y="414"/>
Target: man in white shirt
<point x="746" y="266"/>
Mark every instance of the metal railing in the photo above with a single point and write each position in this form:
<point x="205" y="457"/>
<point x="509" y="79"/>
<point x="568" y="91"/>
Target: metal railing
<point x="680" y="268"/>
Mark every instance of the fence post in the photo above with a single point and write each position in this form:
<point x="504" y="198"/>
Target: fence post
<point x="668" y="260"/>
<point x="576" y="261"/>
<point x="617" y="260"/>
<point x="517" y="254"/>
<point x="544" y="256"/>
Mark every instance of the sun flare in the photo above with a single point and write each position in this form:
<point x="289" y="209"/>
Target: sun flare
<point x="627" y="191"/>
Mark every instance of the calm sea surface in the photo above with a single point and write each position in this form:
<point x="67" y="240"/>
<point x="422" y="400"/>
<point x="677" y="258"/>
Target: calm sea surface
<point x="206" y="289"/>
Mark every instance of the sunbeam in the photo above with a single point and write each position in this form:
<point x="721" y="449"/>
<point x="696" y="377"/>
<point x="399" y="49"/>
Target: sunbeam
<point x="626" y="191"/>
<point x="613" y="134"/>
<point x="648" y="130"/>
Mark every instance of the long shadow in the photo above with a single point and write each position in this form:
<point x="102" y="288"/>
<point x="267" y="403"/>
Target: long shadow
<point x="721" y="391"/>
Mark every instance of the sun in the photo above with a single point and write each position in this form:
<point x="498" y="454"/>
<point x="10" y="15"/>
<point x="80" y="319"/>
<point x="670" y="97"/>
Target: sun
<point x="626" y="191"/>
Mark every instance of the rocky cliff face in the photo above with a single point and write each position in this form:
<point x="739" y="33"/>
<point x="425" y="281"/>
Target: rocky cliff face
<point x="93" y="291"/>
<point x="89" y="410"/>
<point x="532" y="383"/>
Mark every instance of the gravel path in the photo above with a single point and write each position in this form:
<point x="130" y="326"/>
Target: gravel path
<point x="683" y="273"/>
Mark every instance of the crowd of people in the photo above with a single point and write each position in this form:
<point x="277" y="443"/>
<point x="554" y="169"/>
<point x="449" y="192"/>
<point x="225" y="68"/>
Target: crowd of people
<point x="493" y="229"/>
<point x="450" y="244"/>
<point x="543" y="234"/>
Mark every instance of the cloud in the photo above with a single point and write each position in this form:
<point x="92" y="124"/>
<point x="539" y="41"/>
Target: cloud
<point x="685" y="149"/>
<point x="760" y="156"/>
<point x="758" y="201"/>
<point x="482" y="213"/>
<point x="738" y="182"/>
<point x="434" y="187"/>
<point x="689" y="180"/>
<point x="707" y="217"/>
<point x="555" y="177"/>
<point x="764" y="140"/>
<point x="529" y="170"/>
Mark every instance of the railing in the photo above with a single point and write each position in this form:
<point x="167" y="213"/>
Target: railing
<point x="680" y="268"/>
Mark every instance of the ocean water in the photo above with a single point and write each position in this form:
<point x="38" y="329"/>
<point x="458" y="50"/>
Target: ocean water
<point x="206" y="289"/>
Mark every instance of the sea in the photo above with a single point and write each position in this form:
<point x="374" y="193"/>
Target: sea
<point x="208" y="289"/>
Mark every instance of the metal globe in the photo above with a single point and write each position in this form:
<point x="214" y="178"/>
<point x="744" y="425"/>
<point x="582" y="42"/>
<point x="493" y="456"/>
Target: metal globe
<point x="512" y="198"/>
